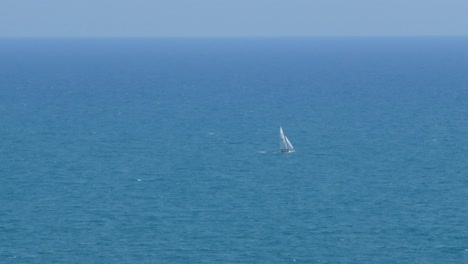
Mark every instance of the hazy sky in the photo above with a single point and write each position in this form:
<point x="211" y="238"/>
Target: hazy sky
<point x="231" y="18"/>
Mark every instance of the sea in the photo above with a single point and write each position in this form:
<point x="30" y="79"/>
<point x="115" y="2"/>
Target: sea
<point x="167" y="150"/>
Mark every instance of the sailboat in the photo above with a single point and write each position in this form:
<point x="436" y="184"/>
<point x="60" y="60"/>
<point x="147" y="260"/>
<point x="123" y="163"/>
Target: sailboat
<point x="285" y="144"/>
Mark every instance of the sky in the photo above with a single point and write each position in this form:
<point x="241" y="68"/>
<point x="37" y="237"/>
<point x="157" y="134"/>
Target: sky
<point x="232" y="18"/>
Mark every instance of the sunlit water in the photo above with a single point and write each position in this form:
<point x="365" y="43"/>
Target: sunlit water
<point x="167" y="151"/>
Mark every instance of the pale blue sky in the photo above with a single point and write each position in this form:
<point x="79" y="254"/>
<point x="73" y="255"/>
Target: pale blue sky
<point x="223" y="18"/>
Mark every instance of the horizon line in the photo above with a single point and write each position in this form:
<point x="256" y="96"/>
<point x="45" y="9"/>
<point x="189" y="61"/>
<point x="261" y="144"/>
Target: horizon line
<point x="235" y="37"/>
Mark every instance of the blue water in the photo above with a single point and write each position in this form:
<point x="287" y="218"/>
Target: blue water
<point x="166" y="151"/>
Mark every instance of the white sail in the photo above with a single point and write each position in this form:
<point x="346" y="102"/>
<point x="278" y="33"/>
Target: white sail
<point x="288" y="143"/>
<point x="285" y="144"/>
<point x="282" y="141"/>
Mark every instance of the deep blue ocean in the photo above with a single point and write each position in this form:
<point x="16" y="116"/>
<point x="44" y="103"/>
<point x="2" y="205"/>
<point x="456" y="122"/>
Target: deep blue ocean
<point x="167" y="150"/>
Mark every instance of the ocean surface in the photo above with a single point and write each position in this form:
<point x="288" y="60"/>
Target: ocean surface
<point x="167" y="150"/>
